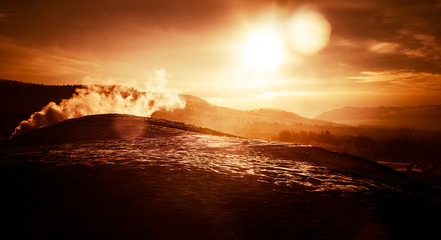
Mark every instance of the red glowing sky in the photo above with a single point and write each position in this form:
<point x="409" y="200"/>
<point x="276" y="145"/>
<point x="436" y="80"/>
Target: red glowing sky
<point x="378" y="53"/>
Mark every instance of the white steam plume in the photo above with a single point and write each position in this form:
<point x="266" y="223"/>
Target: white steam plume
<point x="99" y="99"/>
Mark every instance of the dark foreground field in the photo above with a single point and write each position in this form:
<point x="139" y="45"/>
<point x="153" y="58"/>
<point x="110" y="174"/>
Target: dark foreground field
<point x="125" y="177"/>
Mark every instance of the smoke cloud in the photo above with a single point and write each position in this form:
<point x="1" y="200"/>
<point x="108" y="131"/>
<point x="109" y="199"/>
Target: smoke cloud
<point x="148" y="97"/>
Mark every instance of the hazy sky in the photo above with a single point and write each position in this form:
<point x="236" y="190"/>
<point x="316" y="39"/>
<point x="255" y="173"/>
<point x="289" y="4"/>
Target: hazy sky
<point x="242" y="54"/>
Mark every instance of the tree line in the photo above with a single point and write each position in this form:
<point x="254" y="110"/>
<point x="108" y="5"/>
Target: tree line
<point x="424" y="149"/>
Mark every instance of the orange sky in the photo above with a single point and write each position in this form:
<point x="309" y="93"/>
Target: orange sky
<point x="378" y="53"/>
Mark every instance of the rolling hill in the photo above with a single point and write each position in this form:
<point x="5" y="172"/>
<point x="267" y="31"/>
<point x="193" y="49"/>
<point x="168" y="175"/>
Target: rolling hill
<point x="115" y="176"/>
<point x="261" y="123"/>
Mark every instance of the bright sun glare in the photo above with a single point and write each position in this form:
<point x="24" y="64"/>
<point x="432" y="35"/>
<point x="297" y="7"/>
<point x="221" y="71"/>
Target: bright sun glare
<point x="263" y="50"/>
<point x="269" y="46"/>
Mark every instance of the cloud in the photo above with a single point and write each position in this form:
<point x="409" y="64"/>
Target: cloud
<point x="407" y="50"/>
<point x="429" y="46"/>
<point x="343" y="4"/>
<point x="40" y="62"/>
<point x="402" y="79"/>
<point x="385" y="47"/>
<point x="78" y="20"/>
<point x="4" y="16"/>
<point x="385" y="35"/>
<point x="382" y="76"/>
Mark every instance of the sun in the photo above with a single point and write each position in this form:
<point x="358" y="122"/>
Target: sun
<point x="263" y="50"/>
<point x="273" y="45"/>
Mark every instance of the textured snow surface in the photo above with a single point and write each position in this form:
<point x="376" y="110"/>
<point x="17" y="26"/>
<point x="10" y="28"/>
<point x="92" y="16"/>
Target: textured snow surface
<point x="120" y="176"/>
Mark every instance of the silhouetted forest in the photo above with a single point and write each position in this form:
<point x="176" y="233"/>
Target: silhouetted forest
<point x="405" y="145"/>
<point x="414" y="146"/>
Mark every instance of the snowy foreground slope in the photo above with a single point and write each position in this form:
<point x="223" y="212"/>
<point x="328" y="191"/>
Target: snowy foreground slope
<point x="125" y="177"/>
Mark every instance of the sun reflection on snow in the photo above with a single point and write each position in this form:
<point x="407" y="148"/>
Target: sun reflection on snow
<point x="272" y="163"/>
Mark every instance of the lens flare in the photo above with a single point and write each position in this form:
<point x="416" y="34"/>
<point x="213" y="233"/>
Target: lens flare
<point x="308" y="32"/>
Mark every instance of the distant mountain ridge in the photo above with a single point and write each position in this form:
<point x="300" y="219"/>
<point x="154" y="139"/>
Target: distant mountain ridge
<point x="420" y="117"/>
<point x="20" y="100"/>
<point x="258" y="123"/>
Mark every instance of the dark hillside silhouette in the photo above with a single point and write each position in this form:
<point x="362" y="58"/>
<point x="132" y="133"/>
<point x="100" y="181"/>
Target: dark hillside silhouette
<point x="19" y="100"/>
